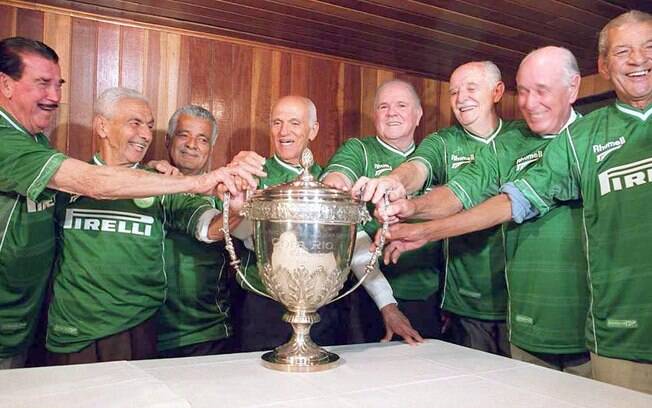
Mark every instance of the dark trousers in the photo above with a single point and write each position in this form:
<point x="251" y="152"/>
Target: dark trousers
<point x="485" y="335"/>
<point x="207" y="348"/>
<point x="365" y="321"/>
<point x="137" y="343"/>
<point x="258" y="324"/>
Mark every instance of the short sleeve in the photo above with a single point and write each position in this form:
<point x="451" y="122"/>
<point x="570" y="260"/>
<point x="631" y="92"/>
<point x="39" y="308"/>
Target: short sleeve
<point x="431" y="152"/>
<point x="479" y="180"/>
<point x="350" y="159"/>
<point x="26" y="166"/>
<point x="553" y="179"/>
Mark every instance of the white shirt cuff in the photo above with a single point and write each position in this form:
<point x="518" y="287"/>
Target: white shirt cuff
<point x="375" y="283"/>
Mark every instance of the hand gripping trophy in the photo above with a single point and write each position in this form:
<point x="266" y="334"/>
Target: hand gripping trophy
<point x="304" y="235"/>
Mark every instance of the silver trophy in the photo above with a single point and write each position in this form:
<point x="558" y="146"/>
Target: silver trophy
<point x="304" y="234"/>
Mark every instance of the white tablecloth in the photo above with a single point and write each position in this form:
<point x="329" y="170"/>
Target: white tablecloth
<point x="434" y="374"/>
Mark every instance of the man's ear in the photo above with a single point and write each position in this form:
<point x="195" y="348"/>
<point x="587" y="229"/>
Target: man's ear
<point x="100" y="125"/>
<point x="313" y="131"/>
<point x="499" y="91"/>
<point x="6" y="85"/>
<point x="603" y="67"/>
<point x="574" y="87"/>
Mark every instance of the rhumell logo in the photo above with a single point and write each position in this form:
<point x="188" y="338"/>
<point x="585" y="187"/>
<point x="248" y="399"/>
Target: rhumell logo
<point x="525" y="161"/>
<point x="459" y="161"/>
<point x="108" y="221"/>
<point x="381" y="168"/>
<point x="625" y="176"/>
<point x="602" y="150"/>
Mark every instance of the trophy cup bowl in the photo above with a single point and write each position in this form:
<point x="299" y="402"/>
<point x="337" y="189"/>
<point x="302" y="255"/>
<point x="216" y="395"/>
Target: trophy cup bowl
<point x="304" y="234"/>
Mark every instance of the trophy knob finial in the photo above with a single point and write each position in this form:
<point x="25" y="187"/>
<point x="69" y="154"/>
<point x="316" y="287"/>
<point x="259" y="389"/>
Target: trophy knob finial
<point x="307" y="160"/>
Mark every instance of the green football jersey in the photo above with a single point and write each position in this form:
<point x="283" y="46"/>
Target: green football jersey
<point x="110" y="272"/>
<point x="416" y="275"/>
<point x="545" y="263"/>
<point x="474" y="284"/>
<point x="278" y="172"/>
<point x="27" y="238"/>
<point x="606" y="159"/>
<point x="196" y="308"/>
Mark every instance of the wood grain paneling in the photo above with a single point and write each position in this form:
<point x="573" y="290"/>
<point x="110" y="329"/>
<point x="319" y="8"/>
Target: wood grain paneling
<point x="238" y="82"/>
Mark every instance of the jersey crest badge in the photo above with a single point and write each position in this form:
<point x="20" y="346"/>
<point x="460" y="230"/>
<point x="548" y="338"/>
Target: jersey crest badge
<point x="603" y="150"/>
<point x="144" y="202"/>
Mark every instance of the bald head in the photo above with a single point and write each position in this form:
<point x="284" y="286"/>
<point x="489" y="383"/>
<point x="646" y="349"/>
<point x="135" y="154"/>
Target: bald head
<point x="547" y="82"/>
<point x="293" y="125"/>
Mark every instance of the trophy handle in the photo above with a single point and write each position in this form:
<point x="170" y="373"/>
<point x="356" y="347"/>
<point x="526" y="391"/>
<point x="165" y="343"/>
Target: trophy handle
<point x="228" y="244"/>
<point x="374" y="257"/>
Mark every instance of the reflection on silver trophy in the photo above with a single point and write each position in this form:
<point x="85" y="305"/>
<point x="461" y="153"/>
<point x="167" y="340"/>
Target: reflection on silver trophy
<point x="304" y="234"/>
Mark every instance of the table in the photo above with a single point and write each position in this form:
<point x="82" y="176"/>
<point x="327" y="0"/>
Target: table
<point x="433" y="374"/>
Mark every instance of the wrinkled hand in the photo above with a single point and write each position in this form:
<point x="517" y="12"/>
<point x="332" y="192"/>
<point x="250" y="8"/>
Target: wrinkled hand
<point x="397" y="323"/>
<point x="373" y="189"/>
<point x="402" y="237"/>
<point x="337" y="180"/>
<point x="249" y="161"/>
<point x="236" y="202"/>
<point x="164" y="167"/>
<point x="397" y="211"/>
<point x="223" y="179"/>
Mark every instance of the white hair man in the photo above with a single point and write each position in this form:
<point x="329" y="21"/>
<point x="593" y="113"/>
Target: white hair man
<point x="110" y="278"/>
<point x="602" y="160"/>
<point x="30" y="92"/>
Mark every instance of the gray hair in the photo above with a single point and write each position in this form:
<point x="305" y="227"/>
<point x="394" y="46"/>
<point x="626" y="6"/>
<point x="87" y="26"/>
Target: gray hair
<point x="312" y="111"/>
<point x="568" y="62"/>
<point x="492" y="71"/>
<point x="107" y="101"/>
<point x="310" y="107"/>
<point x="632" y="16"/>
<point x="409" y="86"/>
<point x="195" y="112"/>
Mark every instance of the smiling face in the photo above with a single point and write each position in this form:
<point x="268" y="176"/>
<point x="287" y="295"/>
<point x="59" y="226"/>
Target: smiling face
<point x="473" y="95"/>
<point x="126" y="135"/>
<point x="190" y="145"/>
<point x="545" y="94"/>
<point x="397" y="114"/>
<point x="34" y="98"/>
<point x="627" y="62"/>
<point x="291" y="128"/>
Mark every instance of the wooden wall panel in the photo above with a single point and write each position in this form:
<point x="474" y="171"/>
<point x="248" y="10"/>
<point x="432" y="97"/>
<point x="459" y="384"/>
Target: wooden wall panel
<point x="7" y="21"/>
<point x="593" y="85"/>
<point x="237" y="82"/>
<point x="29" y="23"/>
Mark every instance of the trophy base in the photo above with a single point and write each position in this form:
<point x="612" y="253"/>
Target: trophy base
<point x="298" y="364"/>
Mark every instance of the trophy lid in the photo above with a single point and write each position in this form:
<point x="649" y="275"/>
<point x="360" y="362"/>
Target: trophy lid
<point x="305" y="200"/>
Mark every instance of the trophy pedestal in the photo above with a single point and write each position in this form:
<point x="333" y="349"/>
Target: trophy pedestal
<point x="300" y="354"/>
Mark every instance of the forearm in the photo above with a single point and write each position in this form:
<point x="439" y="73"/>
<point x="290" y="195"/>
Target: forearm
<point x="104" y="182"/>
<point x="494" y="211"/>
<point x="440" y="202"/>
<point x="215" y="232"/>
<point x="412" y="175"/>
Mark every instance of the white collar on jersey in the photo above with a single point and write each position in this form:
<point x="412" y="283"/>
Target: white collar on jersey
<point x="98" y="161"/>
<point x="405" y="153"/>
<point x="292" y="167"/>
<point x="15" y="125"/>
<point x="488" y="139"/>
<point x="572" y="118"/>
<point x="637" y="113"/>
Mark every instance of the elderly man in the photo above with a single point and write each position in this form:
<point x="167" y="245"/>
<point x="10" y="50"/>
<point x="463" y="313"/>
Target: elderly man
<point x="110" y="279"/>
<point x="415" y="282"/>
<point x="259" y="326"/>
<point x="195" y="317"/>
<point x="601" y="159"/>
<point x="474" y="289"/>
<point x="548" y="295"/>
<point x="30" y="91"/>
